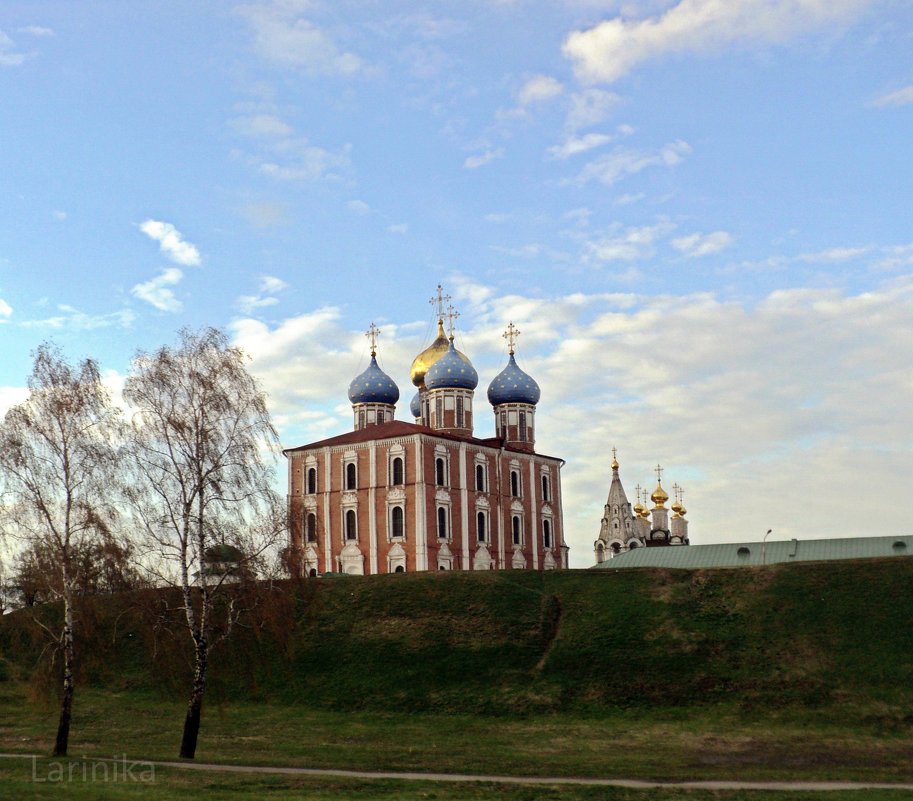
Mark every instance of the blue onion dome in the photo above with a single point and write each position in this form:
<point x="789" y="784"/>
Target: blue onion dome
<point x="373" y="386"/>
<point x="416" y="405"/>
<point x="451" y="371"/>
<point x="512" y="385"/>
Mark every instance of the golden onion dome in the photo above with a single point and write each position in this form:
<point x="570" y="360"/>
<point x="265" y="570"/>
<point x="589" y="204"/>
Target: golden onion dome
<point x="638" y="508"/>
<point x="614" y="464"/>
<point x="659" y="496"/>
<point x="677" y="507"/>
<point x="422" y="362"/>
<point x="682" y="511"/>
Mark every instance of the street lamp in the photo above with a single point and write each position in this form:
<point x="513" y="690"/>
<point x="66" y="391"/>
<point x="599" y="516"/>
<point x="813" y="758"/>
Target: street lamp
<point x="764" y="547"/>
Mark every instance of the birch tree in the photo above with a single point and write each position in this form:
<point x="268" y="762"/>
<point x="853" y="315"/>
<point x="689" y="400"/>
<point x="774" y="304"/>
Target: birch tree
<point x="204" y="451"/>
<point x="58" y="469"/>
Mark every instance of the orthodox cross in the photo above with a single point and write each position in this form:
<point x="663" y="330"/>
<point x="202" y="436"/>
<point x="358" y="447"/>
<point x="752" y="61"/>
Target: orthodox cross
<point x="659" y="474"/>
<point x="439" y="300"/>
<point x="451" y="316"/>
<point x="511" y="335"/>
<point x="677" y="491"/>
<point x="372" y="333"/>
<point x="637" y="490"/>
<point x="614" y="454"/>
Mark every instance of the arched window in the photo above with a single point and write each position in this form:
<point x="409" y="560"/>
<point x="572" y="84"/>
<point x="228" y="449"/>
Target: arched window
<point x="396" y="521"/>
<point x="311" y="527"/>
<point x="544" y="487"/>
<point x="515" y="528"/>
<point x="503" y="431"/>
<point x="514" y="483"/>
<point x="400" y="569"/>
<point x="397" y="471"/>
<point x="361" y="418"/>
<point x="547" y="533"/>
<point x="380" y="416"/>
<point x="313" y="573"/>
<point x="480" y="526"/>
<point x="441" y="522"/>
<point x="522" y="426"/>
<point x="459" y="412"/>
<point x="480" y="478"/>
<point x="439" y="472"/>
<point x="312" y="480"/>
<point x="351" y="525"/>
<point x="351" y="476"/>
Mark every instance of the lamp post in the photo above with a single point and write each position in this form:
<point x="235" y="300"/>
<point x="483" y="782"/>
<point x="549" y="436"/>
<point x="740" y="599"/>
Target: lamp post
<point x="764" y="547"/>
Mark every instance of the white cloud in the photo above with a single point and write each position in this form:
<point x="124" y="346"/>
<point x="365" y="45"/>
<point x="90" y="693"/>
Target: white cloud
<point x="270" y="286"/>
<point x="834" y="255"/>
<point x="36" y="30"/>
<point x="901" y="97"/>
<point x="612" y="48"/>
<point x="481" y="159"/>
<point x="614" y="166"/>
<point x="358" y="206"/>
<point x="398" y="228"/>
<point x="698" y="244"/>
<point x="302" y="161"/>
<point x="73" y="319"/>
<point x="590" y="107"/>
<point x="575" y="145"/>
<point x="11" y="396"/>
<point x="9" y="55"/>
<point x="539" y="89"/>
<point x="6" y="311"/>
<point x="261" y="126"/>
<point x="156" y="291"/>
<point x="285" y="38"/>
<point x="172" y="243"/>
<point x="626" y="244"/>
<point x="265" y="214"/>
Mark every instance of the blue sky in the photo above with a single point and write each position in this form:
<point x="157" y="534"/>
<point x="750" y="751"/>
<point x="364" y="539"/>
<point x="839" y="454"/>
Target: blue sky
<point x="697" y="213"/>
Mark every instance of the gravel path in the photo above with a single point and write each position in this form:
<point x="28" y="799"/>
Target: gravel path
<point x="784" y="786"/>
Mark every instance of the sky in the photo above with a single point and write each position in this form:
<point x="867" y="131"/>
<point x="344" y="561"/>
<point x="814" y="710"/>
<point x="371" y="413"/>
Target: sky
<point x="697" y="212"/>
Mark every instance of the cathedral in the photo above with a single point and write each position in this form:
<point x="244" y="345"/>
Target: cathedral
<point x="392" y="496"/>
<point x="624" y="527"/>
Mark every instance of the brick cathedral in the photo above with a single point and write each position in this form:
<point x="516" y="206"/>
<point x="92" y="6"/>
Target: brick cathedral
<point x="394" y="496"/>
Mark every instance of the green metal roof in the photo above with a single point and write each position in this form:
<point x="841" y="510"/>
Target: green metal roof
<point x="739" y="554"/>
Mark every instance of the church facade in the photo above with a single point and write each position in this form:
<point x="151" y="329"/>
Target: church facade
<point x="624" y="528"/>
<point x="394" y="496"/>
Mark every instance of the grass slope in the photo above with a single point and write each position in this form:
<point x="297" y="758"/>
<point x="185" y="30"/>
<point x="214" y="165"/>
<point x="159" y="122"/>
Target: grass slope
<point x="798" y="670"/>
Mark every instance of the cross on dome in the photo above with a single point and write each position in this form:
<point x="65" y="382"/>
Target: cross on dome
<point x="659" y="474"/>
<point x="452" y="314"/>
<point x="511" y="335"/>
<point x="438" y="301"/>
<point x="372" y="334"/>
<point x="677" y="490"/>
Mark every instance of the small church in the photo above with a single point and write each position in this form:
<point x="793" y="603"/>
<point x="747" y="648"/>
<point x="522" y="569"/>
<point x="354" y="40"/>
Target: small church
<point x="624" y="528"/>
<point x="392" y="496"/>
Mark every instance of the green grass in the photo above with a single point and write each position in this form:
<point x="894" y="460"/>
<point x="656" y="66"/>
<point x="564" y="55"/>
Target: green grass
<point x="798" y="671"/>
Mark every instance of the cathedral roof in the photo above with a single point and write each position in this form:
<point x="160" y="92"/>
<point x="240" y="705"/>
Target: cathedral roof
<point x="512" y="385"/>
<point x="400" y="428"/>
<point x="451" y="371"/>
<point x="373" y="386"/>
<point x="437" y="349"/>
<point x="415" y="405"/>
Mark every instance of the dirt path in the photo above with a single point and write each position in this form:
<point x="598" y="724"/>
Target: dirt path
<point x="640" y="784"/>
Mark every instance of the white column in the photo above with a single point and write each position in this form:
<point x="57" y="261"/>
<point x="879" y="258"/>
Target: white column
<point x="464" y="505"/>
<point x="559" y="519"/>
<point x="421" y="545"/>
<point x="500" y="510"/>
<point x="534" y="488"/>
<point x="328" y="534"/>
<point x="372" y="511"/>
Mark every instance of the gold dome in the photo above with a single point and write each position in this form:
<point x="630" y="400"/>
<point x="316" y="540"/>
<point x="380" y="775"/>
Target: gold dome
<point x="659" y="496"/>
<point x="422" y="363"/>
<point x="677" y="508"/>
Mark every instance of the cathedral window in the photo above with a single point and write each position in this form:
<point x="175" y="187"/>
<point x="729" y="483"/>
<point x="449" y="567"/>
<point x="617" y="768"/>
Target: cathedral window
<point x="480" y="478"/>
<point x="545" y="488"/>
<point x="442" y="522"/>
<point x="522" y="426"/>
<point x="515" y="529"/>
<point x="547" y="533"/>
<point x="503" y="418"/>
<point x="515" y="484"/>
<point x="380" y="416"/>
<point x="310" y="527"/>
<point x="361" y="418"/>
<point x="459" y="412"/>
<point x="481" y="526"/>
<point x="440" y="472"/>
<point x="351" y="525"/>
<point x="397" y="471"/>
<point x="313" y="573"/>
<point x="351" y="476"/>
<point x="439" y="412"/>
<point x="396" y="522"/>
<point x="312" y="480"/>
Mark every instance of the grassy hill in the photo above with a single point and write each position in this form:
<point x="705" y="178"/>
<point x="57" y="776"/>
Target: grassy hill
<point x="834" y="635"/>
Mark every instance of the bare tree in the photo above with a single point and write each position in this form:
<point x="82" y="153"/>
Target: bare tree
<point x="58" y="465"/>
<point x="204" y="451"/>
